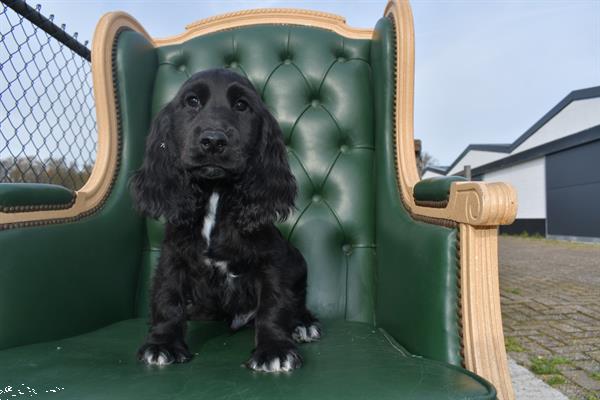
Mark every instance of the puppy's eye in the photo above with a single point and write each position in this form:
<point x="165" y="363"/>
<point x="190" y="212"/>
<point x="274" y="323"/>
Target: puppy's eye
<point x="240" y="105"/>
<point x="192" y="101"/>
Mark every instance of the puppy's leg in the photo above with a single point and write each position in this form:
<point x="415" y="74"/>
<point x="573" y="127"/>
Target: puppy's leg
<point x="275" y="351"/>
<point x="165" y="343"/>
<point x="305" y="327"/>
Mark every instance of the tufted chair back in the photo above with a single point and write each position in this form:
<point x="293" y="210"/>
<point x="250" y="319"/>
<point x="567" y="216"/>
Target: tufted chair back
<point x="317" y="84"/>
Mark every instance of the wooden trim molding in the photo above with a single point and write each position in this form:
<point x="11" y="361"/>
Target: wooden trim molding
<point x="483" y="335"/>
<point x="477" y="207"/>
<point x="278" y="16"/>
<point x="95" y="191"/>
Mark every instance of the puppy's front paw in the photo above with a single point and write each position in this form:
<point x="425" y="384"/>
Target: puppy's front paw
<point x="305" y="334"/>
<point x="163" y="354"/>
<point x="274" y="359"/>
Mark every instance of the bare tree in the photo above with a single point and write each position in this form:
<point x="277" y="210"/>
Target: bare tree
<point x="425" y="160"/>
<point x="51" y="170"/>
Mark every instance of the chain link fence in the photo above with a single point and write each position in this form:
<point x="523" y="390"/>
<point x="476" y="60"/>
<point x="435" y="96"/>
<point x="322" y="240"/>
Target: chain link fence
<point x="47" y="115"/>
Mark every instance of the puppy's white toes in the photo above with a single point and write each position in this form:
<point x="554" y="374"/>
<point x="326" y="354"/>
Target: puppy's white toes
<point x="287" y="364"/>
<point x="148" y="357"/>
<point x="299" y="334"/>
<point x="303" y="334"/>
<point x="275" y="365"/>
<point x="163" y="359"/>
<point x="314" y="333"/>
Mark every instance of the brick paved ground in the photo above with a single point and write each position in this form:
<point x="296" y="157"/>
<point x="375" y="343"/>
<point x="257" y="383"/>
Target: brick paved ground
<point x="550" y="293"/>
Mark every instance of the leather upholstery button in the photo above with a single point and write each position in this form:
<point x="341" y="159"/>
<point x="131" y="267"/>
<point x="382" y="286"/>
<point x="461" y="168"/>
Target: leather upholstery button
<point x="344" y="148"/>
<point x="181" y="67"/>
<point x="315" y="103"/>
<point x="287" y="61"/>
<point x="347" y="248"/>
<point x="316" y="198"/>
<point x="341" y="59"/>
<point x="233" y="64"/>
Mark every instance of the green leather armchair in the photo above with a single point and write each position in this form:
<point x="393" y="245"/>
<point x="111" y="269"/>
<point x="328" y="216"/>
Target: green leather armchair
<point x="406" y="285"/>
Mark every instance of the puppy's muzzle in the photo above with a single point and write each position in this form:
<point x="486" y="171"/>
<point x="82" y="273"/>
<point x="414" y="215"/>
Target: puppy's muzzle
<point x="213" y="142"/>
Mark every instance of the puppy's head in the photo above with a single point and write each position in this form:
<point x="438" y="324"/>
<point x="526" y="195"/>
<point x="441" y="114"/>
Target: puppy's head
<point x="215" y="133"/>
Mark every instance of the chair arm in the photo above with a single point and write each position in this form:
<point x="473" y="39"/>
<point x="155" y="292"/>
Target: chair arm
<point x="478" y="208"/>
<point x="434" y="192"/>
<point x="22" y="197"/>
<point x="473" y="203"/>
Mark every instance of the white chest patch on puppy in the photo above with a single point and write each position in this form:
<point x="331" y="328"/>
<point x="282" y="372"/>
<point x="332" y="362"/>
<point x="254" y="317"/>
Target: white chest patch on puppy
<point x="210" y="217"/>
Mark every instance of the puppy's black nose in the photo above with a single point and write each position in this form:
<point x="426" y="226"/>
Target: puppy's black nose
<point x="213" y="141"/>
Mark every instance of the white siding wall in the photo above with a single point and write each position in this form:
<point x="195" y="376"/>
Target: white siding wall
<point x="529" y="180"/>
<point x="430" y="174"/>
<point x="475" y="158"/>
<point x="577" y="116"/>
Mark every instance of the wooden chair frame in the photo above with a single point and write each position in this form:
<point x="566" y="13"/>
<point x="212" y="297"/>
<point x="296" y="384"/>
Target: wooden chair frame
<point x="476" y="208"/>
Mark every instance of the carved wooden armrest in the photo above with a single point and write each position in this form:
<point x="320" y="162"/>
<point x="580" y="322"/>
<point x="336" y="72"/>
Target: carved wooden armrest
<point x="478" y="208"/>
<point x="475" y="203"/>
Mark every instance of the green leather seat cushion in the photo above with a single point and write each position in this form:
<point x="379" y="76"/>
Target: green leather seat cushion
<point x="353" y="361"/>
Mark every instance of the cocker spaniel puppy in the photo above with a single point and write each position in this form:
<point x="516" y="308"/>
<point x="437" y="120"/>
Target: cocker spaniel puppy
<point x="216" y="170"/>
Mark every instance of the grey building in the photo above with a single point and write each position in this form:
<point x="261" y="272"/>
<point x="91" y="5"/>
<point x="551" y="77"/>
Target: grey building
<point x="554" y="166"/>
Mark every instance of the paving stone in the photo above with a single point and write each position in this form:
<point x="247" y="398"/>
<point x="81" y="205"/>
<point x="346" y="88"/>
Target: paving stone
<point x="583" y="380"/>
<point x="588" y="365"/>
<point x="566" y="350"/>
<point x="547" y="341"/>
<point x="568" y="328"/>
<point x="524" y="332"/>
<point x="550" y="295"/>
<point x="595" y="355"/>
<point x="520" y="358"/>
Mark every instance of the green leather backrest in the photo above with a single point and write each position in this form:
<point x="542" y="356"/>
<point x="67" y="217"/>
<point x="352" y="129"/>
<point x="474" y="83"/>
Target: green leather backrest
<point x="318" y="86"/>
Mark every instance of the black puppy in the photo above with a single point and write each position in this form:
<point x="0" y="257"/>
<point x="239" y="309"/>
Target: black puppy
<point x="216" y="170"/>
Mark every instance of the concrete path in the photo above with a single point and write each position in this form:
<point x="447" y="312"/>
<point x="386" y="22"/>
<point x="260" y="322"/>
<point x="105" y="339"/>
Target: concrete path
<point x="527" y="386"/>
<point x="550" y="293"/>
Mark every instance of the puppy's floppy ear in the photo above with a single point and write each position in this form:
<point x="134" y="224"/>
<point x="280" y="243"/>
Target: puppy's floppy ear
<point x="268" y="189"/>
<point x="161" y="186"/>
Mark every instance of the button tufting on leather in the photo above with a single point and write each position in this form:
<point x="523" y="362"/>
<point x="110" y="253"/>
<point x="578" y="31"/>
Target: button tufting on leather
<point x="325" y="111"/>
<point x="179" y="60"/>
<point x="347" y="249"/>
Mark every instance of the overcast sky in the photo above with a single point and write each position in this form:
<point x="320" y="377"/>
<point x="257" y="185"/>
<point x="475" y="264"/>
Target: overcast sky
<point x="485" y="70"/>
